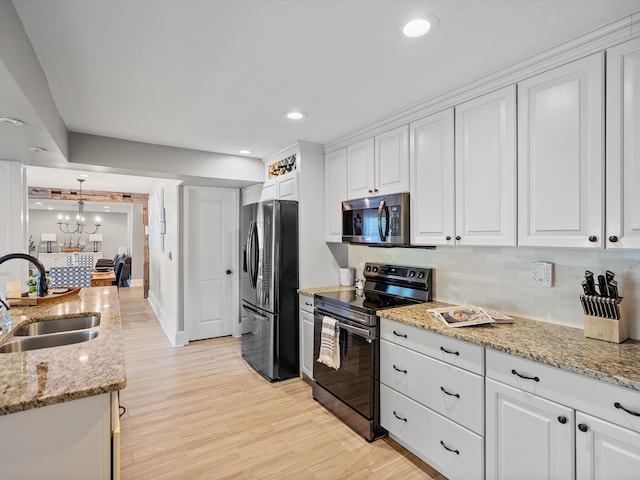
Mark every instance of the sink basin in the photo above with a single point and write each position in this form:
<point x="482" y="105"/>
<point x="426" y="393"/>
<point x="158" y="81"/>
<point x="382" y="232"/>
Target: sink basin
<point x="45" y="341"/>
<point x="44" y="327"/>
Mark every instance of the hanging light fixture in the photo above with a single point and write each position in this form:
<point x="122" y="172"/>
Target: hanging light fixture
<point x="63" y="223"/>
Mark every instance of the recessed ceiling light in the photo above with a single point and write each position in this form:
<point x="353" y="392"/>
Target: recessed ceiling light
<point x="37" y="149"/>
<point x="106" y="206"/>
<point x="244" y="152"/>
<point x="420" y="26"/>
<point x="38" y="203"/>
<point x="295" y="115"/>
<point x="84" y="175"/>
<point x="11" y="121"/>
<point x="49" y="208"/>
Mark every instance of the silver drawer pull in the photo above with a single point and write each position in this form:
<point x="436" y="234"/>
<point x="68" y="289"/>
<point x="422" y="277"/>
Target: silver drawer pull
<point x="535" y="379"/>
<point x="399" y="417"/>
<point x="630" y="412"/>
<point x="399" y="334"/>
<point x="449" y="351"/>
<point x="457" y="395"/>
<point x="308" y="304"/>
<point x="399" y="370"/>
<point x="457" y="452"/>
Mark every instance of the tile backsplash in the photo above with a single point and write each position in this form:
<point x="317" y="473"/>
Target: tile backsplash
<point x="500" y="278"/>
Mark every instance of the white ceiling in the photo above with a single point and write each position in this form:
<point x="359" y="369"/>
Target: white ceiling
<point x="217" y="75"/>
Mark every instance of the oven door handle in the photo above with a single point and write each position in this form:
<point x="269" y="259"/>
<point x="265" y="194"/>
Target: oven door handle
<point x="361" y="332"/>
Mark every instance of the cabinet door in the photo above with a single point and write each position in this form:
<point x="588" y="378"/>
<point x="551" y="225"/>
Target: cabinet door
<point x="560" y="156"/>
<point x="392" y="161"/>
<point x="623" y="146"/>
<point x="431" y="154"/>
<point x="287" y="187"/>
<point x="486" y="169"/>
<point x="605" y="451"/>
<point x="335" y="192"/>
<point x="527" y="437"/>
<point x="306" y="343"/>
<point x="360" y="169"/>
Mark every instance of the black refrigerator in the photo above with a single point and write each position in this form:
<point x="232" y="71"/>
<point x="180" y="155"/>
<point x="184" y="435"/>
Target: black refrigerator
<point x="270" y="296"/>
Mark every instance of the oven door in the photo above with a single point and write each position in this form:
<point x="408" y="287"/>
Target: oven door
<point x="354" y="382"/>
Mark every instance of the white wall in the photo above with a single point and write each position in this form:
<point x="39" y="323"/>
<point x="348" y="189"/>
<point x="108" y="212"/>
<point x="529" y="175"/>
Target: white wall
<point x="499" y="278"/>
<point x="164" y="268"/>
<point x="13" y="238"/>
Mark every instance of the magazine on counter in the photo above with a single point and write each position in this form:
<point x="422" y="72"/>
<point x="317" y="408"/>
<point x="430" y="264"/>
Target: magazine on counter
<point x="463" y="316"/>
<point x="499" y="317"/>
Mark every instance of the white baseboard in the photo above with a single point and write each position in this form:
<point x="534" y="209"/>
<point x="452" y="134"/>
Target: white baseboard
<point x="137" y="282"/>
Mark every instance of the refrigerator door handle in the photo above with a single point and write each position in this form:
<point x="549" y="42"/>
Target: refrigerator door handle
<point x="254" y="312"/>
<point x="253" y="254"/>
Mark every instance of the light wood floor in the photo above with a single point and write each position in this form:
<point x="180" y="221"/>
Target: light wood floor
<point x="199" y="412"/>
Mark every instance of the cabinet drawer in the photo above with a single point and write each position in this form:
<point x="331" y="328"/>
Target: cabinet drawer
<point x="586" y="394"/>
<point x="449" y="350"/>
<point x="450" y="391"/>
<point x="451" y="449"/>
<point x="306" y="302"/>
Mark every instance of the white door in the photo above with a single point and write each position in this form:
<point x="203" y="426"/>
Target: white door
<point x="211" y="250"/>
<point x="527" y="437"/>
<point x="392" y="161"/>
<point x="561" y="156"/>
<point x="486" y="169"/>
<point x="432" y="170"/>
<point x="623" y="146"/>
<point x="605" y="451"/>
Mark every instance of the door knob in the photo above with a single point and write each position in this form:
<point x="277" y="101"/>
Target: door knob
<point x="228" y="272"/>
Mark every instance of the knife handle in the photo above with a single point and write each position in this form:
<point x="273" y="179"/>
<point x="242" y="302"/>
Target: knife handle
<point x="613" y="289"/>
<point x="609" y="275"/>
<point x="602" y="286"/>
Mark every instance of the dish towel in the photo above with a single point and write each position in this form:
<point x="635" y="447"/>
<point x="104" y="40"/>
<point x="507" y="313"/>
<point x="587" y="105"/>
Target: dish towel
<point x="330" y="343"/>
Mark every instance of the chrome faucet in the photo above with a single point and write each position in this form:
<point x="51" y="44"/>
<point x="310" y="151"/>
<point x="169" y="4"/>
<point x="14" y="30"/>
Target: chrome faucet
<point x="42" y="280"/>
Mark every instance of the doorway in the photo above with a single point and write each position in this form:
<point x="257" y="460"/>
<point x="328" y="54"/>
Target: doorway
<point x="211" y="289"/>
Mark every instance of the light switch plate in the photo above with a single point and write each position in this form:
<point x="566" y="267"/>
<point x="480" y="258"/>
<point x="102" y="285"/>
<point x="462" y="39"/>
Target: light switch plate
<point x="542" y="273"/>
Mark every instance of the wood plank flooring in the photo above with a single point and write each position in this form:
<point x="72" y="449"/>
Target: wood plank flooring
<point x="199" y="412"/>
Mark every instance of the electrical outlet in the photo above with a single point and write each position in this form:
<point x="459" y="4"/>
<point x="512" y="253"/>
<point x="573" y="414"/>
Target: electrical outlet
<point x="542" y="273"/>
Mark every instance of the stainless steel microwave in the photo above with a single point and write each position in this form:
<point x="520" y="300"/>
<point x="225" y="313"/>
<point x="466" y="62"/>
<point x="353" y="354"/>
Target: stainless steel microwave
<point x="382" y="220"/>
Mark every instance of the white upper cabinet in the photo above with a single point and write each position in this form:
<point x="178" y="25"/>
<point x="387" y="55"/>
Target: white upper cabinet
<point x="392" y="161"/>
<point x="560" y="156"/>
<point x="623" y="146"/>
<point x="361" y="171"/>
<point x="379" y="165"/>
<point x="432" y="173"/>
<point x="486" y="169"/>
<point x="335" y="191"/>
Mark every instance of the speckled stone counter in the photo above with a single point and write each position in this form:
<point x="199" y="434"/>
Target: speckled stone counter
<point x="555" y="345"/>
<point x="313" y="291"/>
<point x="47" y="376"/>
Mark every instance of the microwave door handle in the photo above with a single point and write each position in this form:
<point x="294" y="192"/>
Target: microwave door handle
<point x="383" y="207"/>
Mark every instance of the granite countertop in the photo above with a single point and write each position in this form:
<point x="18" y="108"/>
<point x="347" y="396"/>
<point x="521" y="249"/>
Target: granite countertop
<point x="47" y="376"/>
<point x="554" y="345"/>
<point x="313" y="291"/>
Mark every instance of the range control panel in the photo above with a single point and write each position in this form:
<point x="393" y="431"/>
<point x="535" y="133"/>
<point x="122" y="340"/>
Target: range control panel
<point x="394" y="272"/>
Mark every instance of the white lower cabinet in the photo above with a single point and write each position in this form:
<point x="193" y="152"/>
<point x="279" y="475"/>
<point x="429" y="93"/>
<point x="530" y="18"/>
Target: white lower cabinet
<point x="527" y="436"/>
<point x="78" y="439"/>
<point x="453" y="450"/>
<point x="306" y="334"/>
<point x="428" y="402"/>
<point x="605" y="450"/>
<point x="547" y="423"/>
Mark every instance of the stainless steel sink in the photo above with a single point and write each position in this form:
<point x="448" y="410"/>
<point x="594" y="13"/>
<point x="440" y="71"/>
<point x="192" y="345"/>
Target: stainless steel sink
<point x="45" y="341"/>
<point x="44" y="327"/>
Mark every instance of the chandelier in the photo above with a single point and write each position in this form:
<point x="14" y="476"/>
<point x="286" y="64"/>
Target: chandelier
<point x="63" y="223"/>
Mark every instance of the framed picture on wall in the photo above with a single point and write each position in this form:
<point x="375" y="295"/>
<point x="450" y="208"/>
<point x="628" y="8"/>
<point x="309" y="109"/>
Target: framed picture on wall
<point x="157" y="225"/>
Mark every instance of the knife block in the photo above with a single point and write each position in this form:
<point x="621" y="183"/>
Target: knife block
<point x="607" y="329"/>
